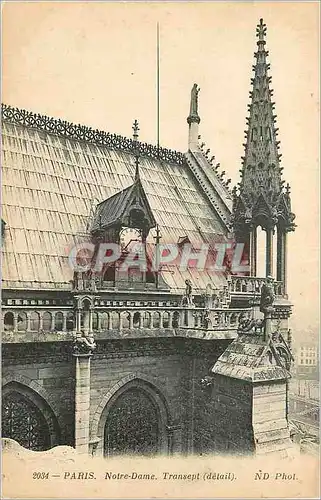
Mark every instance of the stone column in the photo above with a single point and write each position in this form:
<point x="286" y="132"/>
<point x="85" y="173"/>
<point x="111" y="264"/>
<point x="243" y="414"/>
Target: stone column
<point x="52" y="327"/>
<point x="64" y="324"/>
<point x="29" y="321"/>
<point x="253" y="251"/>
<point x="78" y="320"/>
<point x="279" y="254"/>
<point x="83" y="347"/>
<point x="285" y="256"/>
<point x="269" y="251"/>
<point x="281" y="274"/>
<point x="15" y="321"/>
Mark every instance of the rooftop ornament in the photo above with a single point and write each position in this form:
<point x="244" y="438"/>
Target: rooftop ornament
<point x="82" y="133"/>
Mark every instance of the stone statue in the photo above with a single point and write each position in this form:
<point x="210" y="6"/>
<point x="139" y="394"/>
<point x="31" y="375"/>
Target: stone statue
<point x="267" y="295"/>
<point x="209" y="296"/>
<point x="188" y="292"/>
<point x="194" y="100"/>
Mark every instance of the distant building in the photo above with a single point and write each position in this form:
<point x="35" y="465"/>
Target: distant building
<point x="307" y="360"/>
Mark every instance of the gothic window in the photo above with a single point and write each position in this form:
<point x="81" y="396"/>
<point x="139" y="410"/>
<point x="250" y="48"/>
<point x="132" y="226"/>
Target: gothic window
<point x="34" y="321"/>
<point x="166" y="319"/>
<point x="175" y="322"/>
<point x="109" y="274"/>
<point x="46" y="321"/>
<point x="95" y="321"/>
<point x="104" y="321"/>
<point x="136" y="319"/>
<point x="146" y="319"/>
<point x="115" y="320"/>
<point x="59" y="321"/>
<point x="8" y="321"/>
<point x="22" y="322"/>
<point x="70" y="321"/>
<point x="156" y="319"/>
<point x="132" y="426"/>
<point x="23" y="421"/>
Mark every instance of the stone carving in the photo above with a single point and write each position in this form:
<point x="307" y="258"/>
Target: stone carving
<point x="194" y="100"/>
<point x="83" y="344"/>
<point x="267" y="296"/>
<point x="85" y="282"/>
<point x="209" y="296"/>
<point x="188" y="298"/>
<point x="250" y="325"/>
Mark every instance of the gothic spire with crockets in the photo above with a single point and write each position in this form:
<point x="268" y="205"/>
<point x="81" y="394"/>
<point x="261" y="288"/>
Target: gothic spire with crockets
<point x="261" y="199"/>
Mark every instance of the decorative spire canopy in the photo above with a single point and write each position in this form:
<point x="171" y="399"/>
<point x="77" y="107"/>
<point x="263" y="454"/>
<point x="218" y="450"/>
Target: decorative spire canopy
<point x="135" y="128"/>
<point x="261" y="187"/>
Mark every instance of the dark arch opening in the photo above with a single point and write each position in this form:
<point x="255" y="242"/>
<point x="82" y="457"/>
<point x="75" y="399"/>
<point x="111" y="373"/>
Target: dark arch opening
<point x="27" y="418"/>
<point x="24" y="422"/>
<point x="132" y="426"/>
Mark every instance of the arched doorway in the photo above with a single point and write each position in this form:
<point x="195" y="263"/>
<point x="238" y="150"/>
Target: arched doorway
<point x="133" y="424"/>
<point x="24" y="422"/>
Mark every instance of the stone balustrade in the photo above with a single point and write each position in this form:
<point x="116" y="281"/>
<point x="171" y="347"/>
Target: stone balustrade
<point x="252" y="285"/>
<point x="170" y="318"/>
<point x="123" y="318"/>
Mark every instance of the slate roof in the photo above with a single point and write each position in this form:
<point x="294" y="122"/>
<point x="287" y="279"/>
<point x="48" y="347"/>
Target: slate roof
<point x="52" y="181"/>
<point x="110" y="212"/>
<point x="246" y="358"/>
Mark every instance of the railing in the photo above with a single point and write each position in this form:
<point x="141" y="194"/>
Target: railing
<point x="170" y="318"/>
<point x="83" y="133"/>
<point x="123" y="318"/>
<point x="252" y="285"/>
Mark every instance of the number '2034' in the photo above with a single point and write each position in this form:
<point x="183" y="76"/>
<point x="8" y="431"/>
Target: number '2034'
<point x="40" y="475"/>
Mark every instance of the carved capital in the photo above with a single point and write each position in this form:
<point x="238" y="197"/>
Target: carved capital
<point x="83" y="345"/>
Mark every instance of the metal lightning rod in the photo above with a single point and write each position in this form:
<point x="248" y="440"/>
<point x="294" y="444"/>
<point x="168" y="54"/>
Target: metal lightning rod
<point x="157" y="86"/>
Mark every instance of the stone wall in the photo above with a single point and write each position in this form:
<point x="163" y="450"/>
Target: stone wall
<point x="47" y="371"/>
<point x="172" y="367"/>
<point x="232" y="415"/>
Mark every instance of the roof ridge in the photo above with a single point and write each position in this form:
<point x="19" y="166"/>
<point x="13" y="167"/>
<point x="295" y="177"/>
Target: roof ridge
<point x="84" y="133"/>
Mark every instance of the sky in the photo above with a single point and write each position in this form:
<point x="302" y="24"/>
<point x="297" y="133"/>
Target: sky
<point x="95" y="63"/>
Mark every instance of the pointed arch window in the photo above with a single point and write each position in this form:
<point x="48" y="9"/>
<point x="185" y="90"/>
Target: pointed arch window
<point x="8" y="321"/>
<point x="70" y="321"/>
<point x="59" y="321"/>
<point x="95" y="321"/>
<point x="132" y="426"/>
<point x="46" y="321"/>
<point x="23" y="421"/>
<point x="270" y="133"/>
<point x="22" y="321"/>
<point x="34" y="321"/>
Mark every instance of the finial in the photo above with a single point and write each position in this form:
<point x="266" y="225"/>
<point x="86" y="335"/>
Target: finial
<point x="158" y="234"/>
<point x="135" y="128"/>
<point x="261" y="30"/>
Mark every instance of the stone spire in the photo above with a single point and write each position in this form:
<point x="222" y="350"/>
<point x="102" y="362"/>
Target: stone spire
<point x="261" y="199"/>
<point x="193" y="120"/>
<point x="261" y="195"/>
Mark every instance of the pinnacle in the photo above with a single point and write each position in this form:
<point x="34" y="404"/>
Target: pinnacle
<point x="261" y="171"/>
